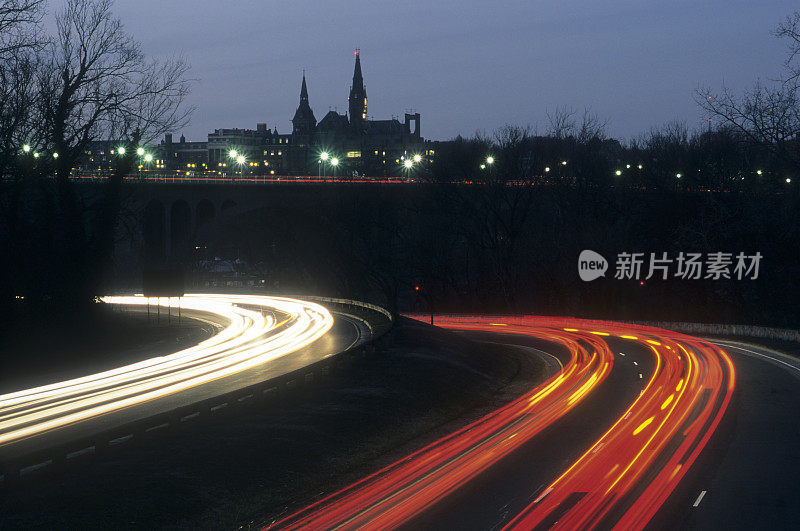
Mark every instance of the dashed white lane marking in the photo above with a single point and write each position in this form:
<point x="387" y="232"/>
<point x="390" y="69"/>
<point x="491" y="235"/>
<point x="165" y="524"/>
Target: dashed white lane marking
<point x="640" y="376"/>
<point x="699" y="499"/>
<point x="635" y="363"/>
<point x="621" y="353"/>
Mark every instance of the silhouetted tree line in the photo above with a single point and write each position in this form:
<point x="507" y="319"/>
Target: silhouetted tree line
<point x="87" y="81"/>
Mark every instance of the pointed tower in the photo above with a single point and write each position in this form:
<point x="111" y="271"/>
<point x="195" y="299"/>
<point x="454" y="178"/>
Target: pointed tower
<point x="304" y="121"/>
<point x="358" y="98"/>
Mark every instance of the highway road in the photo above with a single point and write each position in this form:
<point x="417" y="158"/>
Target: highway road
<point x="603" y="443"/>
<point x="260" y="338"/>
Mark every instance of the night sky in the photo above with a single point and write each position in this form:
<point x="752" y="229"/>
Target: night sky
<point x="465" y="65"/>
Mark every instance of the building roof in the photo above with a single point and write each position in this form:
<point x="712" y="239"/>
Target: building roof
<point x="333" y="121"/>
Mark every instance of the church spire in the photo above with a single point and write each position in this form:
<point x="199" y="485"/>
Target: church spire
<point x="358" y="97"/>
<point x="304" y="121"/>
<point x="304" y="90"/>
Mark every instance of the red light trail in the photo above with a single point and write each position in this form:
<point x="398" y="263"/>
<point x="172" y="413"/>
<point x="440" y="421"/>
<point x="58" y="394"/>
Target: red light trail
<point x="620" y="481"/>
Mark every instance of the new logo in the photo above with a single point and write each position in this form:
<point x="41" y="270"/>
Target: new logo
<point x="591" y="265"/>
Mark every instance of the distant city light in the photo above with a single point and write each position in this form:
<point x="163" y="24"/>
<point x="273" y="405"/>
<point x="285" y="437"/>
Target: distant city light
<point x="334" y="161"/>
<point x="618" y="172"/>
<point x="547" y="169"/>
<point x="678" y="175"/>
<point x="563" y="162"/>
<point x="640" y="166"/>
<point x="788" y="180"/>
<point x="408" y="163"/>
<point x="148" y="157"/>
<point x="121" y="150"/>
<point x="324" y="155"/>
<point x="628" y="166"/>
<point x="759" y="172"/>
<point x="26" y="148"/>
<point x="140" y="151"/>
<point x="417" y="157"/>
<point x="35" y="155"/>
<point x="55" y="155"/>
<point x="483" y="166"/>
<point x="489" y="160"/>
<point x="233" y="153"/>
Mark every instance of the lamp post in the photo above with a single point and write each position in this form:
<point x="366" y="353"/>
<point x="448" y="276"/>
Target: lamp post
<point x="323" y="158"/>
<point x="334" y="163"/>
<point x="240" y="160"/>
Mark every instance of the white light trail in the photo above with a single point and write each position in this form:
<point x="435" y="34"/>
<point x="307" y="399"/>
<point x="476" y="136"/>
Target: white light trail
<point x="250" y="339"/>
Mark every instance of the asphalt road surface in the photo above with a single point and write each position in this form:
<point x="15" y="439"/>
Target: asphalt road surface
<point x="260" y="338"/>
<point x="603" y="443"/>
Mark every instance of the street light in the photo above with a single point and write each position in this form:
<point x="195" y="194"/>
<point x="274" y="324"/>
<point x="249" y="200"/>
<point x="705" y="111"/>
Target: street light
<point x="547" y="169"/>
<point x="334" y="163"/>
<point x="640" y="166"/>
<point x="35" y="155"/>
<point x="483" y="166"/>
<point x="759" y="172"/>
<point x="628" y="166"/>
<point x="140" y="151"/>
<point x="618" y="173"/>
<point x="788" y="180"/>
<point x="148" y="157"/>
<point x="26" y="148"/>
<point x="489" y="160"/>
<point x="564" y="163"/>
<point x="417" y="158"/>
<point x="408" y="164"/>
<point x="55" y="155"/>
<point x="121" y="150"/>
<point x="678" y="175"/>
<point x="324" y="156"/>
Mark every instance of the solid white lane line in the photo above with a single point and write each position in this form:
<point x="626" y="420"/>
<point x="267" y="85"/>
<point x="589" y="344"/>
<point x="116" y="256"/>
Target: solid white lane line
<point x="758" y="354"/>
<point x="699" y="499"/>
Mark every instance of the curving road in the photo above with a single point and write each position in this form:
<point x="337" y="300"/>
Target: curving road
<point x="260" y="338"/>
<point x="656" y="399"/>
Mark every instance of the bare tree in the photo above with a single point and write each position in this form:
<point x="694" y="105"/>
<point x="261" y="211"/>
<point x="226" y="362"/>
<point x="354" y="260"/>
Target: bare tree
<point x="18" y="22"/>
<point x="769" y="113"/>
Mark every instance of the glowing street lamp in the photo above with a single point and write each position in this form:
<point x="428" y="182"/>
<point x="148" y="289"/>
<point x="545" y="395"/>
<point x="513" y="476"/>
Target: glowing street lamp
<point x="759" y="172"/>
<point x="148" y="157"/>
<point x="618" y="173"/>
<point x="26" y="148"/>
<point x="640" y="166"/>
<point x="417" y="158"/>
<point x="240" y="159"/>
<point x="334" y="163"/>
<point x="233" y="153"/>
<point x="628" y="166"/>
<point x="490" y="160"/>
<point x="547" y="169"/>
<point x="483" y="166"/>
<point x="678" y="175"/>
<point x="121" y="150"/>
<point x="324" y="156"/>
<point x="35" y="155"/>
<point x="140" y="151"/>
<point x="408" y="163"/>
<point x="55" y="155"/>
<point x="788" y="180"/>
<point x="563" y="162"/>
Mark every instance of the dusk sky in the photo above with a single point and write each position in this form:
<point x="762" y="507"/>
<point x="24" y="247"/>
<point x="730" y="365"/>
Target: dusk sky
<point x="464" y="65"/>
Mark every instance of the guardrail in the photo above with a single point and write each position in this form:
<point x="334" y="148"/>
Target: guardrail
<point x="275" y="391"/>
<point x="727" y="330"/>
